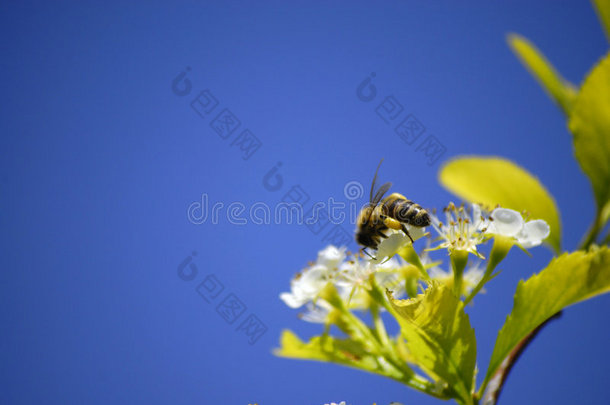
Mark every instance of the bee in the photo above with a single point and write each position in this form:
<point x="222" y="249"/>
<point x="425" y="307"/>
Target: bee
<point x="392" y="212"/>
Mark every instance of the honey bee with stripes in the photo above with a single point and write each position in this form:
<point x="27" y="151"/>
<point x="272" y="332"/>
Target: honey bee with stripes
<point x="392" y="212"/>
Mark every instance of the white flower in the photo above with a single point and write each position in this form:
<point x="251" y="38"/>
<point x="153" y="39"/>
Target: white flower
<point x="306" y="285"/>
<point x="333" y="403"/>
<point x="510" y="223"/>
<point x="316" y="313"/>
<point x="331" y="256"/>
<point x="471" y="277"/>
<point x="396" y="240"/>
<point x="356" y="273"/>
<point x="461" y="231"/>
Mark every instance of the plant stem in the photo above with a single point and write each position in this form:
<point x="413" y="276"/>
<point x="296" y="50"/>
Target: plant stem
<point x="476" y="289"/>
<point x="366" y="336"/>
<point x="499" y="251"/>
<point x="410" y="255"/>
<point x="593" y="231"/>
<point x="382" y="334"/>
<point x="410" y="378"/>
<point x="459" y="260"/>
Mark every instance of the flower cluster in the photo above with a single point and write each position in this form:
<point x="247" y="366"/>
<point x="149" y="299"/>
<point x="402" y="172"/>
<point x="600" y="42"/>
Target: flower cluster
<point x="338" y="283"/>
<point x="464" y="230"/>
<point x="306" y="285"/>
<point x="349" y="273"/>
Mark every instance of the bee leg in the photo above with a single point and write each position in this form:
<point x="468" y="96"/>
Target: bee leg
<point x="397" y="225"/>
<point x="406" y="231"/>
<point x="368" y="254"/>
<point x="392" y="223"/>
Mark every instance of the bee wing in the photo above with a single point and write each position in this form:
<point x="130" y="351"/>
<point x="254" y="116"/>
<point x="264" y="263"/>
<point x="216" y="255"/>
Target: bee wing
<point x="374" y="181"/>
<point x="379" y="195"/>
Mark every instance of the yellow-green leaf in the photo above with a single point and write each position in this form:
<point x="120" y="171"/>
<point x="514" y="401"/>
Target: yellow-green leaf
<point x="439" y="337"/>
<point x="568" y="279"/>
<point x="558" y="88"/>
<point x="603" y="11"/>
<point x="493" y="180"/>
<point x="328" y="349"/>
<point x="590" y="124"/>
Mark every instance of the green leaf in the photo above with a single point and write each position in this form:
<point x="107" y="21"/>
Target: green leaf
<point x="603" y="11"/>
<point x="352" y="353"/>
<point x="568" y="279"/>
<point x="328" y="349"/>
<point x="323" y="348"/>
<point x="557" y="87"/>
<point x="590" y="124"/>
<point x="493" y="180"/>
<point x="439" y="337"/>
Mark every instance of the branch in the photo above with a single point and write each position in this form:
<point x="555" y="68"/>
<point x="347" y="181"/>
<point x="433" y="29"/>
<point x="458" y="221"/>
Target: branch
<point x="496" y="383"/>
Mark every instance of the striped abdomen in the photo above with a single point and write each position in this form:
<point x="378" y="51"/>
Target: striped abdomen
<point x="401" y="209"/>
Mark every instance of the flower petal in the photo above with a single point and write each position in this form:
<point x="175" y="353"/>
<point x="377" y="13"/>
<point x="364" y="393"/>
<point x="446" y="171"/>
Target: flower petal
<point x="331" y="256"/>
<point x="316" y="313"/>
<point x="312" y="280"/>
<point x="394" y="242"/>
<point x="292" y="300"/>
<point x="506" y="222"/>
<point x="533" y="233"/>
<point x="476" y="216"/>
<point x="389" y="246"/>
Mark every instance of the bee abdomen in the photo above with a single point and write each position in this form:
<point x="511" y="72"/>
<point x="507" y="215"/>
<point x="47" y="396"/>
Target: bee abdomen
<point x="409" y="212"/>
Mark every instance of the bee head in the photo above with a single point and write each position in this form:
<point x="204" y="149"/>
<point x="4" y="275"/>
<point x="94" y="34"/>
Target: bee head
<point x="365" y="239"/>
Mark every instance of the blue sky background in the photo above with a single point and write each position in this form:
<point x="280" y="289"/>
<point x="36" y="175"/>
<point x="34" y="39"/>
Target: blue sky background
<point x="101" y="159"/>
